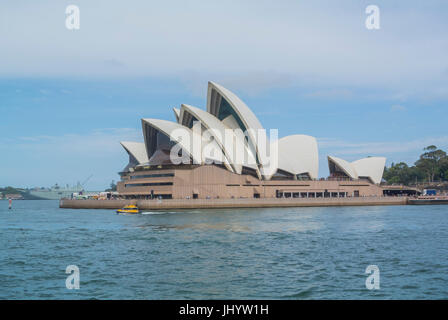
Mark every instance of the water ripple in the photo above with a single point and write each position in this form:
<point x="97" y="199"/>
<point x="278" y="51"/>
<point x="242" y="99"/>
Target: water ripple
<point x="291" y="253"/>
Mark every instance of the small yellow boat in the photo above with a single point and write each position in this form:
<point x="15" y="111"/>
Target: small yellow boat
<point x="129" y="209"/>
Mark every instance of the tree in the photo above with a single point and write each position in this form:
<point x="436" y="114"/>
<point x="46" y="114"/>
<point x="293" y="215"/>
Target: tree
<point x="416" y="175"/>
<point x="432" y="165"/>
<point x="445" y="175"/>
<point x="398" y="173"/>
<point x="443" y="168"/>
<point x="113" y="186"/>
<point x="430" y="161"/>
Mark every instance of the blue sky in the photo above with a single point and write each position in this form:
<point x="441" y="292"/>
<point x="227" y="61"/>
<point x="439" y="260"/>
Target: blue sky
<point x="309" y="67"/>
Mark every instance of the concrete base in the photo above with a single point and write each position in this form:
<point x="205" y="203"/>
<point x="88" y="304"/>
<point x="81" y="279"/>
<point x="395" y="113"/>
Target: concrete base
<point x="232" y="203"/>
<point x="427" y="201"/>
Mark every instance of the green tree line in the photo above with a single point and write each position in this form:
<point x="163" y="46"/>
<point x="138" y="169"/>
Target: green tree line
<point x="432" y="166"/>
<point x="11" y="190"/>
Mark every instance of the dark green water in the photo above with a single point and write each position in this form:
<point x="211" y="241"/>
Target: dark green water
<point x="293" y="253"/>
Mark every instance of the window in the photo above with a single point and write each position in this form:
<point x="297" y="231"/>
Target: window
<point x="156" y="175"/>
<point x="148" y="184"/>
<point x="303" y="176"/>
<point x="163" y="196"/>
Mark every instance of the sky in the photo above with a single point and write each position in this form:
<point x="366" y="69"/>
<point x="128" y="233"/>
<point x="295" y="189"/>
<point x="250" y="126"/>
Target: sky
<point x="67" y="97"/>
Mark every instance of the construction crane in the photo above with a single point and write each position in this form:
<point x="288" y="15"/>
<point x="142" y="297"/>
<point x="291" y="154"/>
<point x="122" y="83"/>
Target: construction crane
<point x="85" y="181"/>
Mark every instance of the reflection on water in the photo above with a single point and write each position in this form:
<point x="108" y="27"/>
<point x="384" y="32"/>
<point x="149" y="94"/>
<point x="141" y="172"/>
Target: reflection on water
<point x="199" y="226"/>
<point x="255" y="220"/>
<point x="292" y="253"/>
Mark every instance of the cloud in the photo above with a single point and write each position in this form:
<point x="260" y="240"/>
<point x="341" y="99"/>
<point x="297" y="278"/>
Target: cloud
<point x="345" y="148"/>
<point x="331" y="93"/>
<point x="96" y="143"/>
<point x="398" y="107"/>
<point x="251" y="83"/>
<point x="113" y="63"/>
<point x="264" y="46"/>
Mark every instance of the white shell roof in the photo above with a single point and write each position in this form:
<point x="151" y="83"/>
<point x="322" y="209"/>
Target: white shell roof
<point x="246" y="115"/>
<point x="218" y="131"/>
<point x="172" y="130"/>
<point x="299" y="154"/>
<point x="176" y="113"/>
<point x="344" y="166"/>
<point x="372" y="167"/>
<point x="137" y="150"/>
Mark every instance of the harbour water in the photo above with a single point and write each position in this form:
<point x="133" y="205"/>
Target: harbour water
<point x="290" y="253"/>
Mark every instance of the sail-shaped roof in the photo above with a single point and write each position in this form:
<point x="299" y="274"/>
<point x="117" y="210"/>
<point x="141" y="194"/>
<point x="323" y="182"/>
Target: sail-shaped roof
<point x="371" y="168"/>
<point x="298" y="154"/>
<point x="220" y="133"/>
<point x="184" y="137"/>
<point x="228" y="107"/>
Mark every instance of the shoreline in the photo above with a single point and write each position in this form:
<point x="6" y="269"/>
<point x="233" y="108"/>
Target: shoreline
<point x="232" y="203"/>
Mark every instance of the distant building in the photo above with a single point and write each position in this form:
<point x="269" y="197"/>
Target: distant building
<point x="14" y="196"/>
<point x="169" y="164"/>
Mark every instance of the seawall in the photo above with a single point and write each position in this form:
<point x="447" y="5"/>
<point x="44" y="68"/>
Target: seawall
<point x="232" y="203"/>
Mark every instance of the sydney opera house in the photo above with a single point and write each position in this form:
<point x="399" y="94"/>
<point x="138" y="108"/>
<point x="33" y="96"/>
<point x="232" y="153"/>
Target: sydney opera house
<point x="224" y="152"/>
